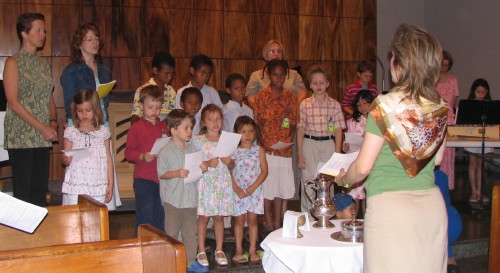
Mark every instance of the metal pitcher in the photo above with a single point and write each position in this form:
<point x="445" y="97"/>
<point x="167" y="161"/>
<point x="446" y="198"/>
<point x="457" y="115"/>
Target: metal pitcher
<point x="323" y="207"/>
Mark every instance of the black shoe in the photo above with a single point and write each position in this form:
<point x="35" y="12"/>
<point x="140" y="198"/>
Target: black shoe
<point x="453" y="268"/>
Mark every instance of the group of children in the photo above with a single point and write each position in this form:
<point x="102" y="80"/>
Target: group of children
<point x="230" y="186"/>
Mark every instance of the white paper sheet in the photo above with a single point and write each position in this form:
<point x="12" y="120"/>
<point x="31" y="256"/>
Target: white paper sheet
<point x="159" y="144"/>
<point x="4" y="155"/>
<point x="192" y="163"/>
<point x="337" y="162"/>
<point x="280" y="145"/>
<point x="78" y="154"/>
<point x="355" y="140"/>
<point x="228" y="142"/>
<point x="19" y="214"/>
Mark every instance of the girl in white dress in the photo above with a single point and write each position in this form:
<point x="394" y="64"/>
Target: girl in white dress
<point x="93" y="174"/>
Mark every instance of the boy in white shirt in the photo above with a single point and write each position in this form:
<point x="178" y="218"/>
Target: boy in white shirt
<point x="236" y="88"/>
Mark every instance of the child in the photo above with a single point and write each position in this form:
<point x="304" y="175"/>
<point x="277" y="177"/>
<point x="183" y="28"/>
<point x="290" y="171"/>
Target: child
<point x="92" y="175"/>
<point x="361" y="105"/>
<point x="345" y="206"/>
<point x="191" y="101"/>
<point x="365" y="76"/>
<point x="319" y="132"/>
<point x="249" y="174"/>
<point x="141" y="138"/>
<point x="163" y="74"/>
<point x="179" y="199"/>
<point x="276" y="112"/>
<point x="235" y="87"/>
<point x="215" y="192"/>
<point x="480" y="90"/>
<point x="201" y="68"/>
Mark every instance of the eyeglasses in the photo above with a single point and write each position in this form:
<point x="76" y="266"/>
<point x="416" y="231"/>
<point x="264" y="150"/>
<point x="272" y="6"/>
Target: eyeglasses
<point x="90" y="39"/>
<point x="274" y="51"/>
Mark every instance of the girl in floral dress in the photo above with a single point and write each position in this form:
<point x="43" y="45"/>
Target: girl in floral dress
<point x="249" y="174"/>
<point x="92" y="175"/>
<point x="215" y="192"/>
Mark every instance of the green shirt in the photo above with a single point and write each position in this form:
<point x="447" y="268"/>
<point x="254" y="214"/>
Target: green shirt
<point x="34" y="93"/>
<point x="389" y="175"/>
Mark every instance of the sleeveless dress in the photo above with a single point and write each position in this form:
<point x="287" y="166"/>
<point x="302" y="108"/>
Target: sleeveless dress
<point x="245" y="173"/>
<point x="447" y="90"/>
<point x="215" y="191"/>
<point x="88" y="175"/>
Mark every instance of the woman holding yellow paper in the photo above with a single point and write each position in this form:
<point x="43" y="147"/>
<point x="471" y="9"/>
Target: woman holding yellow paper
<point x="86" y="70"/>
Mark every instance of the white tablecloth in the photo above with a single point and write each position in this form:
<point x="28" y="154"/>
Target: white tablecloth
<point x="315" y="252"/>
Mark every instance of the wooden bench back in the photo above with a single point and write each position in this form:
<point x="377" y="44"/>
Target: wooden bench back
<point x="494" y="258"/>
<point x="153" y="251"/>
<point x="85" y="222"/>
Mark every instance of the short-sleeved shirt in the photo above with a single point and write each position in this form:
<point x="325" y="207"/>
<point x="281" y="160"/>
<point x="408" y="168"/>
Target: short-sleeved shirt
<point x="317" y="118"/>
<point x="168" y="102"/>
<point x="388" y="174"/>
<point x="276" y="115"/>
<point x="174" y="191"/>
<point x="34" y="93"/>
<point x="260" y="80"/>
<point x="233" y="110"/>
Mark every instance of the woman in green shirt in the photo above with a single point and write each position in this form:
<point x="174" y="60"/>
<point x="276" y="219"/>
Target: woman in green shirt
<point x="30" y="122"/>
<point x="406" y="221"/>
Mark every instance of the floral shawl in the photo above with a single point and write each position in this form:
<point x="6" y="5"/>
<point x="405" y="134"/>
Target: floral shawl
<point x="413" y="131"/>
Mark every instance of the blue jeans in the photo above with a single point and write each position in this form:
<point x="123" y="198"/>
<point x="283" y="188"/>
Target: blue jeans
<point x="148" y="207"/>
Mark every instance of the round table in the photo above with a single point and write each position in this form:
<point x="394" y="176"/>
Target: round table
<point x="315" y="252"/>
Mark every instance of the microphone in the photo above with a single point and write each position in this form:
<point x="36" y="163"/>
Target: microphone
<point x="383" y="74"/>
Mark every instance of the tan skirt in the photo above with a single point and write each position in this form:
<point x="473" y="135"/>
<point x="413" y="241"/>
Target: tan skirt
<point x="280" y="180"/>
<point x="406" y="231"/>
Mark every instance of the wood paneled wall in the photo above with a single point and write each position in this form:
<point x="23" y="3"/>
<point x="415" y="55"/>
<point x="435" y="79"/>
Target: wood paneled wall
<point x="337" y="33"/>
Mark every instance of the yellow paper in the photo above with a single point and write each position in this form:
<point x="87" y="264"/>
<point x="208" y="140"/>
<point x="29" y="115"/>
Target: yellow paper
<point x="104" y="89"/>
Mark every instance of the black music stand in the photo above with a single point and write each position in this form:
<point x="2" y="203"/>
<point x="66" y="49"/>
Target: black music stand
<point x="480" y="113"/>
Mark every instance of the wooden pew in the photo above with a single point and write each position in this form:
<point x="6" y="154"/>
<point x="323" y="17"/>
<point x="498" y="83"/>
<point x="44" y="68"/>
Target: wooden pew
<point x="153" y="251"/>
<point x="494" y="258"/>
<point x="85" y="222"/>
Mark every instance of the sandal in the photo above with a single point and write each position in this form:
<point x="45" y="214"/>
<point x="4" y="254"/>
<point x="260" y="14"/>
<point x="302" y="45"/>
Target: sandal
<point x="202" y="260"/>
<point x="260" y="254"/>
<point x="220" y="260"/>
<point x="242" y="259"/>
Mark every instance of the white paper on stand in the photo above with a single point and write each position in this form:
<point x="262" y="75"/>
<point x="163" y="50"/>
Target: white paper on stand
<point x="78" y="154"/>
<point x="280" y="145"/>
<point x="18" y="214"/>
<point x="159" y="144"/>
<point x="228" y="142"/>
<point x="337" y="162"/>
<point x="192" y="163"/>
<point x="355" y="141"/>
<point x="290" y="222"/>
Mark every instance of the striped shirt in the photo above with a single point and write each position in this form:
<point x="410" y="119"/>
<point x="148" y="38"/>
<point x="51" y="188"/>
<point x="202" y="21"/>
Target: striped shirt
<point x="315" y="117"/>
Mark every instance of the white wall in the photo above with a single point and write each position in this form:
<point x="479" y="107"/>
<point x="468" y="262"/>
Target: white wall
<point x="390" y="14"/>
<point x="470" y="30"/>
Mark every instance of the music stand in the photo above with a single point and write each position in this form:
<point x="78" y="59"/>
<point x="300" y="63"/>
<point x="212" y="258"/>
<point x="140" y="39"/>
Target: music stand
<point x="479" y="112"/>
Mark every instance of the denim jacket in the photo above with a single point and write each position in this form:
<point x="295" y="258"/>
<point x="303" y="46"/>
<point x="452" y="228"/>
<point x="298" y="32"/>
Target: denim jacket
<point x="78" y="76"/>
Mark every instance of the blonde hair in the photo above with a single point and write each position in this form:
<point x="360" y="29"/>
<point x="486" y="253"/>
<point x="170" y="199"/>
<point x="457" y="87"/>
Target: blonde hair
<point x="210" y="108"/>
<point x="417" y="57"/>
<point x="317" y="69"/>
<point x="87" y="95"/>
<point x="266" y="48"/>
